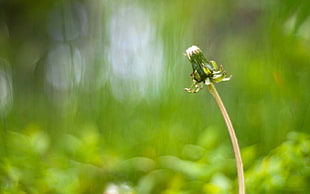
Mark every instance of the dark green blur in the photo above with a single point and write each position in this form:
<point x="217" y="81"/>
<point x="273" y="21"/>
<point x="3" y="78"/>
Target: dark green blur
<point x="92" y="98"/>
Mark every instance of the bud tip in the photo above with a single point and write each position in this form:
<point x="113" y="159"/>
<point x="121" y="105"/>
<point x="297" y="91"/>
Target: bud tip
<point x="191" y="50"/>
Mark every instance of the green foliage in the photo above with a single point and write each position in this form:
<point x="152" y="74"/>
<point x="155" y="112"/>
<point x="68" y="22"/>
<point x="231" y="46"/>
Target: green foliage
<point x="285" y="169"/>
<point x="82" y="164"/>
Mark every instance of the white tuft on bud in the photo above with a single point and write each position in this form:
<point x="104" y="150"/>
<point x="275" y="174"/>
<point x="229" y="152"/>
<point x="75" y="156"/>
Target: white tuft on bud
<point x="191" y="50"/>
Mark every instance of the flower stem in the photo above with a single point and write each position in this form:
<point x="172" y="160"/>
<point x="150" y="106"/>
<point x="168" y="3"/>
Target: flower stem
<point x="233" y="137"/>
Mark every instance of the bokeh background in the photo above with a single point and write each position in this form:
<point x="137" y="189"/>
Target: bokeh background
<point x="92" y="99"/>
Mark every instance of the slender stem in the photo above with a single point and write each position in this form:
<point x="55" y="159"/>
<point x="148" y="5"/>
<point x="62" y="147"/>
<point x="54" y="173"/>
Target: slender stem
<point x="233" y="137"/>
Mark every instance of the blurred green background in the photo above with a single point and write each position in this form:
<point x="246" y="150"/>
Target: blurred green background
<point x="92" y="99"/>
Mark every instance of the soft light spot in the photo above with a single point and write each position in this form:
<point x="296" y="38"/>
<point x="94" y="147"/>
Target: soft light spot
<point x="134" y="53"/>
<point x="64" y="67"/>
<point x="6" y="91"/>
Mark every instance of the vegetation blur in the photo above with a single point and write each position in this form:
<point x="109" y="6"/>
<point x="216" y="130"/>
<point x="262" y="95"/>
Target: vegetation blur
<point x="92" y="98"/>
